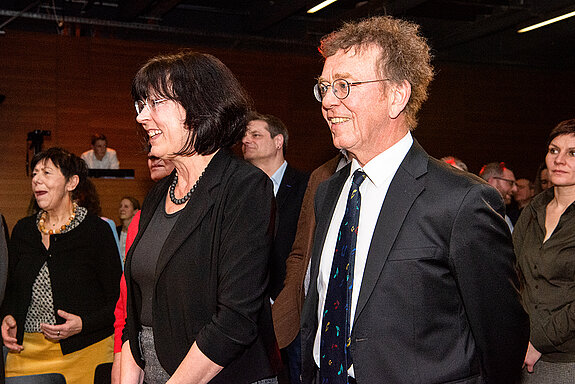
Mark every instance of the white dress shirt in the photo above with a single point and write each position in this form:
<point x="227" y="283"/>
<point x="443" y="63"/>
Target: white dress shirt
<point x="380" y="171"/>
<point x="109" y="161"/>
<point x="278" y="176"/>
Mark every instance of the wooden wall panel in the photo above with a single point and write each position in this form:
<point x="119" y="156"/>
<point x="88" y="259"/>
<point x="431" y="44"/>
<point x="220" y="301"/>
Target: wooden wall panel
<point x="76" y="86"/>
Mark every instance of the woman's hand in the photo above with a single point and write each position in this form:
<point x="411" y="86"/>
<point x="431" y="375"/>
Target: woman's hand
<point x="9" y="329"/>
<point x="531" y="357"/>
<point x="116" y="368"/>
<point x="71" y="327"/>
<point x="130" y="372"/>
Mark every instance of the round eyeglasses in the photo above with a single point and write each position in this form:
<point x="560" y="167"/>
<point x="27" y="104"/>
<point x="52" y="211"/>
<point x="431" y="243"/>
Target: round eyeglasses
<point x="340" y="88"/>
<point x="151" y="104"/>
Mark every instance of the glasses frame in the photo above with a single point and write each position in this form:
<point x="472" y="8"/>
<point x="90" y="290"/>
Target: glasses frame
<point x="146" y="103"/>
<point x="512" y="182"/>
<point x="317" y="90"/>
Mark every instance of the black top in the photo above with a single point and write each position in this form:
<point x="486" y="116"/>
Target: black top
<point x="146" y="257"/>
<point x="84" y="270"/>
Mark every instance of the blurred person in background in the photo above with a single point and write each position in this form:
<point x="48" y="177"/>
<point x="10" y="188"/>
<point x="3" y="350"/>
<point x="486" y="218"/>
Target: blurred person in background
<point x="100" y="156"/>
<point x="542" y="180"/>
<point x="455" y="162"/>
<point x="521" y="198"/>
<point x="129" y="206"/>
<point x="158" y="170"/>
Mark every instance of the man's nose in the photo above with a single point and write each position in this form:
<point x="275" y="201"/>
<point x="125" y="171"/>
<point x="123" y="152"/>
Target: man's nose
<point x="329" y="99"/>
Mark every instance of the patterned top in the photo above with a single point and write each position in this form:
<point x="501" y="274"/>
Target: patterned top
<point x="41" y="309"/>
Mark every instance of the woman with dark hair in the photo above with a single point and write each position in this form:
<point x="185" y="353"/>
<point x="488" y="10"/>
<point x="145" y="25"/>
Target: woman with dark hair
<point x="198" y="309"/>
<point x="544" y="240"/>
<point x="129" y="206"/>
<point x="63" y="277"/>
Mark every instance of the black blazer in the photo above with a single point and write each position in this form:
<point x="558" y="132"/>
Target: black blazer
<point x="288" y="204"/>
<point x="212" y="275"/>
<point x="439" y="298"/>
<point x="85" y="273"/>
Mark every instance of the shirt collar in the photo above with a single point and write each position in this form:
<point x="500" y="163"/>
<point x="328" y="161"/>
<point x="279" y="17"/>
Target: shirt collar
<point x="278" y="176"/>
<point x="384" y="165"/>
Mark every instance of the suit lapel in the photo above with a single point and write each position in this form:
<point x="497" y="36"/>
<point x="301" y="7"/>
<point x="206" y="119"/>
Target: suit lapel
<point x="406" y="186"/>
<point x="285" y="188"/>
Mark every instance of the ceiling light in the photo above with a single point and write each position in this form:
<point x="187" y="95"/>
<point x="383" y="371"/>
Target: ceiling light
<point x="321" y="5"/>
<point x="550" y="21"/>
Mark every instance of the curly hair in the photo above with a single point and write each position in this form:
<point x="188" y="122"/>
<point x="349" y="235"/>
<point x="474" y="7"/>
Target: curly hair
<point x="405" y="54"/>
<point x="216" y="104"/>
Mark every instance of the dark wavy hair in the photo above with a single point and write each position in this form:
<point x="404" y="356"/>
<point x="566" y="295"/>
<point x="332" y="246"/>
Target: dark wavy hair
<point x="87" y="196"/>
<point x="216" y="104"/>
<point x="68" y="163"/>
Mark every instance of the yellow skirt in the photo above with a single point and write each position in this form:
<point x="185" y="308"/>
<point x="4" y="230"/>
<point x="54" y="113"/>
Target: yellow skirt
<point x="41" y="355"/>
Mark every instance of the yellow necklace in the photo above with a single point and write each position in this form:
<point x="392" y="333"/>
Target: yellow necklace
<point x="42" y="223"/>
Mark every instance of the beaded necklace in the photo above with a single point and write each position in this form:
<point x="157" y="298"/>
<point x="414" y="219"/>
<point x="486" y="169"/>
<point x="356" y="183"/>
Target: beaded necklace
<point x="188" y="195"/>
<point x="42" y="223"/>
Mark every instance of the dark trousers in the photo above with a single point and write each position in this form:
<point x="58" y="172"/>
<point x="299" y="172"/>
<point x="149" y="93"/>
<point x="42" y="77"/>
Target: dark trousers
<point x="292" y="353"/>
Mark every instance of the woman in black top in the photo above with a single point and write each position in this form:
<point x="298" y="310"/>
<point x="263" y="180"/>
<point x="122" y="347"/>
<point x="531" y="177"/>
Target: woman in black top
<point x="64" y="271"/>
<point x="198" y="309"/>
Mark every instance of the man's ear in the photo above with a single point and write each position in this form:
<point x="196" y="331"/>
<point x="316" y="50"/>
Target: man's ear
<point x="279" y="141"/>
<point x="398" y="97"/>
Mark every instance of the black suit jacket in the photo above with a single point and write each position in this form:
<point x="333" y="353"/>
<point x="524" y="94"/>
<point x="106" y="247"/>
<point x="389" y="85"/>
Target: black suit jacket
<point x="439" y="298"/>
<point x="288" y="205"/>
<point x="212" y="275"/>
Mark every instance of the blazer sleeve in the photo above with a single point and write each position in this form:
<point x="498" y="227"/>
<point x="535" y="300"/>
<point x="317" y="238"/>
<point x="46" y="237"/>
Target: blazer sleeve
<point x="108" y="273"/>
<point x="12" y="298"/>
<point x="481" y="253"/>
<point x="242" y="249"/>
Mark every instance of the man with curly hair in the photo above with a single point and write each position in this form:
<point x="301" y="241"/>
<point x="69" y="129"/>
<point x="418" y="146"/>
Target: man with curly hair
<point x="412" y="272"/>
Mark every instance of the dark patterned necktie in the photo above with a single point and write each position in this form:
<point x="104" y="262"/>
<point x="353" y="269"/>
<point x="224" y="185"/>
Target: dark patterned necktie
<point x="335" y="358"/>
